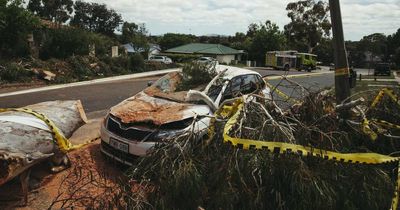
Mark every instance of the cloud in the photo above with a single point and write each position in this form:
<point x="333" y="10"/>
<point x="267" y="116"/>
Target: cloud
<point x="360" y="17"/>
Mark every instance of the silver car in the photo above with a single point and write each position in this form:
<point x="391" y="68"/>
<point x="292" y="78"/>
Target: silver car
<point x="162" y="59"/>
<point x="160" y="112"/>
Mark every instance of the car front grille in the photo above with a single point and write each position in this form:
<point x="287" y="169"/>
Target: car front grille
<point x="118" y="153"/>
<point x="124" y="131"/>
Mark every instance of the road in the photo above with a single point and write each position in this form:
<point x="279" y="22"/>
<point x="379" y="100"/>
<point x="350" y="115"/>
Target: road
<point x="98" y="98"/>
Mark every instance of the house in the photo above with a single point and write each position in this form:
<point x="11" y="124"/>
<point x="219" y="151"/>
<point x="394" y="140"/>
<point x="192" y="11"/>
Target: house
<point x="220" y="52"/>
<point x="129" y="48"/>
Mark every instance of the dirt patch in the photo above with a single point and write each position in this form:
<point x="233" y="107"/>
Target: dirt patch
<point x="91" y="176"/>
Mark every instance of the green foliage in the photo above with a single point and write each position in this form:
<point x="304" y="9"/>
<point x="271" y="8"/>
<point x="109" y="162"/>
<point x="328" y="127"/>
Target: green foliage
<point x="136" y="35"/>
<point x="96" y="18"/>
<point x="15" y="25"/>
<point x="309" y="23"/>
<point x="324" y="51"/>
<point x="65" y="42"/>
<point x="196" y="74"/>
<point x="266" y="37"/>
<point x="58" y="11"/>
<point x="136" y="63"/>
<point x="13" y="72"/>
<point x="171" y="40"/>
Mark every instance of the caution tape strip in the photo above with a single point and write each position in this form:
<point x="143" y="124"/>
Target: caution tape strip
<point x="287" y="148"/>
<point x="63" y="143"/>
<point x="281" y="94"/>
<point x="385" y="124"/>
<point x="342" y="72"/>
<point x="382" y="93"/>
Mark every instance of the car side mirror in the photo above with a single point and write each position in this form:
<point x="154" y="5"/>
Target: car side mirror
<point x="150" y="83"/>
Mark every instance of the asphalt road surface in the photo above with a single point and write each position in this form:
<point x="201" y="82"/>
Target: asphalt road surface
<point x="98" y="98"/>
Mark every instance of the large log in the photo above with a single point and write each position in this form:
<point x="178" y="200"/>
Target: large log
<point x="23" y="143"/>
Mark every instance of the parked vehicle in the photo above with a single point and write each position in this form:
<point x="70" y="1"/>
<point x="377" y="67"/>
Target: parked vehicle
<point x="161" y="112"/>
<point x="286" y="60"/>
<point x="382" y="69"/>
<point x="162" y="59"/>
<point x="207" y="60"/>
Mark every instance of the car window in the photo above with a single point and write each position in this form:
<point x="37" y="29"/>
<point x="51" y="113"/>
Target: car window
<point x="233" y="89"/>
<point x="250" y="84"/>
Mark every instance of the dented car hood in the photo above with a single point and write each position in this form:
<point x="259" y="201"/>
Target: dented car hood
<point x="143" y="108"/>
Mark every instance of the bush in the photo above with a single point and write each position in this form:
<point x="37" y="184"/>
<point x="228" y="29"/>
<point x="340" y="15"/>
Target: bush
<point x="15" y="73"/>
<point x="136" y="63"/>
<point x="66" y="42"/>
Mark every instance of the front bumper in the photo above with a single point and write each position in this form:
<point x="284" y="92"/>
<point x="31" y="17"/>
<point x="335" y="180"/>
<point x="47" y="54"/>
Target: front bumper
<point x="136" y="148"/>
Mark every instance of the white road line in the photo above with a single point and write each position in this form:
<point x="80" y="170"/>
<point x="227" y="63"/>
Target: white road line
<point x="91" y="82"/>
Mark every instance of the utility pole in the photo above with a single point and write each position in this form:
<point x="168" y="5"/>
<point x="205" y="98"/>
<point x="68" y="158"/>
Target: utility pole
<point x="342" y="82"/>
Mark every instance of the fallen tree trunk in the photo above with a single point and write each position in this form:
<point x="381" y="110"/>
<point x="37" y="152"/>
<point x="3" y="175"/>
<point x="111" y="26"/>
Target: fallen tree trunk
<point x="25" y="140"/>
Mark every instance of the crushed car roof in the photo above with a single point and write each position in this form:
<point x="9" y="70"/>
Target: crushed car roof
<point x="234" y="71"/>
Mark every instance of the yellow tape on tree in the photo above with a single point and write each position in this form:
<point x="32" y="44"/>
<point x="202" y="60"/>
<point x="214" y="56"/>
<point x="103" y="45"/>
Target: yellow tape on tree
<point x="281" y="94"/>
<point x="342" y="72"/>
<point x="63" y="144"/>
<point x="287" y="148"/>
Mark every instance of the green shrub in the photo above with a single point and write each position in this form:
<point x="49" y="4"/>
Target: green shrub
<point x="66" y="42"/>
<point x="14" y="73"/>
<point x="136" y="63"/>
<point x="195" y="74"/>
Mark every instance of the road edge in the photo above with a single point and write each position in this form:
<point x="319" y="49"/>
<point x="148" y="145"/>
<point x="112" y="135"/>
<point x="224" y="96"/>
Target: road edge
<point x="90" y="82"/>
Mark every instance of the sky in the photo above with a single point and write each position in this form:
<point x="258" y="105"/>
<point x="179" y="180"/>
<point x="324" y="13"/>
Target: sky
<point x="226" y="17"/>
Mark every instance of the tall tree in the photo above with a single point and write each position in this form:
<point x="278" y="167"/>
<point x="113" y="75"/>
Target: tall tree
<point x="393" y="43"/>
<point x="171" y="40"/>
<point x="15" y="24"/>
<point x="267" y="37"/>
<point x="96" y="17"/>
<point x="58" y="11"/>
<point x="135" y="34"/>
<point x="309" y="24"/>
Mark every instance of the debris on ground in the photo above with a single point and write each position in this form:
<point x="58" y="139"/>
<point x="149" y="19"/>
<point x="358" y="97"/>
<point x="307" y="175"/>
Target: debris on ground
<point x="305" y="156"/>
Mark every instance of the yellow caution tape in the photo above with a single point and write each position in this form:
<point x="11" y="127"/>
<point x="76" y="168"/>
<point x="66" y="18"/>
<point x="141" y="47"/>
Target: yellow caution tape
<point x="63" y="143"/>
<point x="342" y="72"/>
<point x="382" y="93"/>
<point x="385" y="124"/>
<point x="287" y="148"/>
<point x="368" y="131"/>
<point x="281" y="94"/>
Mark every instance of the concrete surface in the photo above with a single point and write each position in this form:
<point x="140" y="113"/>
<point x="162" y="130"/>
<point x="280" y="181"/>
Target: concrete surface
<point x="87" y="133"/>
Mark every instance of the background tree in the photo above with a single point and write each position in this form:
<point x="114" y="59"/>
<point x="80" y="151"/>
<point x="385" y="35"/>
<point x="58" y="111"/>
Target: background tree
<point x="267" y="37"/>
<point x="135" y="34"/>
<point x="57" y="11"/>
<point x="309" y="24"/>
<point x="15" y="25"/>
<point x="96" y="18"/>
<point x="393" y="43"/>
<point x="171" y="40"/>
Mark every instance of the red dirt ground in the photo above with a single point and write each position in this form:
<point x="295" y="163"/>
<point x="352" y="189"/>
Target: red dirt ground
<point x="90" y="179"/>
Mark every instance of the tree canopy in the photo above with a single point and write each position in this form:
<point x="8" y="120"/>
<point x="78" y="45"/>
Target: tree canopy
<point x="135" y="34"/>
<point x="96" y="18"/>
<point x="309" y="24"/>
<point x="58" y="11"/>
<point x="15" y="25"/>
<point x="171" y="40"/>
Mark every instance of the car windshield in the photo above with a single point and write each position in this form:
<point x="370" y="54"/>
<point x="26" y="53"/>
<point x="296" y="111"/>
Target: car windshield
<point x="166" y="87"/>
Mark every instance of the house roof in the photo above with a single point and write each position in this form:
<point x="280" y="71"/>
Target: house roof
<point x="199" y="48"/>
<point x="130" y="48"/>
